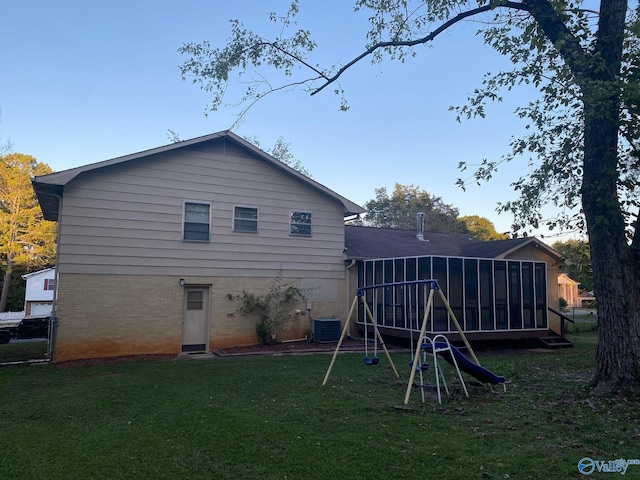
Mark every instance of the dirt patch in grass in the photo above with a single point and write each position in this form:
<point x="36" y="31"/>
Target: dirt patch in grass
<point x="292" y="348"/>
<point x="301" y="347"/>
<point x="91" y="362"/>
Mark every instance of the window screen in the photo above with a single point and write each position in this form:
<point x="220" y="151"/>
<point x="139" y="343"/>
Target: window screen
<point x="245" y="219"/>
<point x="300" y="223"/>
<point x="196" y="221"/>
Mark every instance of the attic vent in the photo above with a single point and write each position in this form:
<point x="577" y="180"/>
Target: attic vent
<point x="420" y="226"/>
<point x="326" y="329"/>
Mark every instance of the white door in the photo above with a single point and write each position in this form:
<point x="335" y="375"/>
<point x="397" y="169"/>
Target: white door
<point x="195" y="322"/>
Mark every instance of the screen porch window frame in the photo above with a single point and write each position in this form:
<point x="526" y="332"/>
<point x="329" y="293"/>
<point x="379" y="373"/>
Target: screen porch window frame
<point x="247" y="222"/>
<point x="298" y="227"/>
<point x="193" y="224"/>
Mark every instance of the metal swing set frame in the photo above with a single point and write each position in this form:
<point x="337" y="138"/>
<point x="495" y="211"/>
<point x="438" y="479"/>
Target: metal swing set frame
<point x="415" y="365"/>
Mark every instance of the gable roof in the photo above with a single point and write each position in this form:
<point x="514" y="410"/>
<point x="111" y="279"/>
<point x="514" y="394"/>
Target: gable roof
<point x="563" y="278"/>
<point x="49" y="188"/>
<point x="39" y="272"/>
<point x="363" y="243"/>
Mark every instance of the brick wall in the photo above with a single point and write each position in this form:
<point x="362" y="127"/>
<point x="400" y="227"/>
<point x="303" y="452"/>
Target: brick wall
<point x="113" y="315"/>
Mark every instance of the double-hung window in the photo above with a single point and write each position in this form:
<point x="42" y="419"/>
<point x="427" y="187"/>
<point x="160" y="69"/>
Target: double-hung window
<point x="196" y="222"/>
<point x="300" y="224"/>
<point x="245" y="219"/>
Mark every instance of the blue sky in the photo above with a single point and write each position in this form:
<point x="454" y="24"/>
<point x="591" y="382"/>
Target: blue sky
<point x="85" y="81"/>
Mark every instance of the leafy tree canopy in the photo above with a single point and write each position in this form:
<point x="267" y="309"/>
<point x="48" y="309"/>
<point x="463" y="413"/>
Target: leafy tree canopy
<point x="26" y="239"/>
<point x="399" y="210"/>
<point x="482" y="228"/>
<point x="579" y="261"/>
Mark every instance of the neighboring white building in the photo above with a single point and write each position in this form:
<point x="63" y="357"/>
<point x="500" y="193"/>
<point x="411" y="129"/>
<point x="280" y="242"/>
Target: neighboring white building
<point x="568" y="289"/>
<point x="38" y="298"/>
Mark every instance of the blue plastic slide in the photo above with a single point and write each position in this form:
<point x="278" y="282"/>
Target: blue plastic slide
<point x="467" y="366"/>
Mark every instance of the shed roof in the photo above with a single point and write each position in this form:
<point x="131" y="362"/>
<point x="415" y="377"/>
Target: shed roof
<point x="362" y="243"/>
<point x="49" y="188"/>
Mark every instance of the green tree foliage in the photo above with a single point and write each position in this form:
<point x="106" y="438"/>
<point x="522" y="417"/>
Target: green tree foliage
<point x="482" y="228"/>
<point x="579" y="261"/>
<point x="583" y="139"/>
<point x="399" y="210"/>
<point x="26" y="239"/>
<point x="17" y="289"/>
<point x="281" y="151"/>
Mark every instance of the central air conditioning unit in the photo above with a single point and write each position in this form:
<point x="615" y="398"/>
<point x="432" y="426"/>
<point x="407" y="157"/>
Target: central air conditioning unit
<point x="326" y="329"/>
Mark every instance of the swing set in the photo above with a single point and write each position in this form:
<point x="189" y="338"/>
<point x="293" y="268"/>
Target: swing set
<point x="438" y="346"/>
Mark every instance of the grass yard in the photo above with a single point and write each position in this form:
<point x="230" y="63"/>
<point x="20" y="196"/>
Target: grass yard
<point x="583" y="322"/>
<point x="270" y="418"/>
<point x="23" y="351"/>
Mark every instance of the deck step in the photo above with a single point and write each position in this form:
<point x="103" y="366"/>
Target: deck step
<point x="555" y="341"/>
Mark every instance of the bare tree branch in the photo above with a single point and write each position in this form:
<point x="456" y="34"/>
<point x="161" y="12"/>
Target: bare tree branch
<point x="294" y="57"/>
<point x="419" y="41"/>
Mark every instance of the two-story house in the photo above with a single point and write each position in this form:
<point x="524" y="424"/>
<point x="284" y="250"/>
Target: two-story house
<point x="39" y="291"/>
<point x="153" y="248"/>
<point x="152" y="245"/>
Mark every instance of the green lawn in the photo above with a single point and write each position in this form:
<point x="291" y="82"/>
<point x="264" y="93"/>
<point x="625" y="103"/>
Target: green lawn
<point x="23" y="351"/>
<point x="582" y="322"/>
<point x="270" y="418"/>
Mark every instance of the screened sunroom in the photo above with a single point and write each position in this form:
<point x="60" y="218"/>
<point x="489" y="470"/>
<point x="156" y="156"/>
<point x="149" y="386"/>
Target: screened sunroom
<point x="487" y="296"/>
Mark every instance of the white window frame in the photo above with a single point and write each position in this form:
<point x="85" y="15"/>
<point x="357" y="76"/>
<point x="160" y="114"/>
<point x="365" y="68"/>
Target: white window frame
<point x="292" y="223"/>
<point x="184" y="221"/>
<point x="256" y="220"/>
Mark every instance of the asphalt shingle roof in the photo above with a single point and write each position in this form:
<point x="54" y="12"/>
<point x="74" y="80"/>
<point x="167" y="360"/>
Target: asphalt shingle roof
<point x="371" y="242"/>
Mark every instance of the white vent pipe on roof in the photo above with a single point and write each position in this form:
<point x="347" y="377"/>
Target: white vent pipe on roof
<point x="420" y="222"/>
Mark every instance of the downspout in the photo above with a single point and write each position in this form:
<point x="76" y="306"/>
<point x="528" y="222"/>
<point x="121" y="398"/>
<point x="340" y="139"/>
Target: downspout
<point x="53" y="326"/>
<point x="348" y="287"/>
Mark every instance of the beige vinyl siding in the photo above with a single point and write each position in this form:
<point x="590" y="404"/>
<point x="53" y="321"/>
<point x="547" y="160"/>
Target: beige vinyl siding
<point x="127" y="219"/>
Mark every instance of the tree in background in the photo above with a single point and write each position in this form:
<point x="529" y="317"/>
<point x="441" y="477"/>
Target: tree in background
<point x="26" y="239"/>
<point x="582" y="135"/>
<point x="5" y="146"/>
<point x="482" y="228"/>
<point x="579" y="265"/>
<point x="399" y="210"/>
<point x="281" y="151"/>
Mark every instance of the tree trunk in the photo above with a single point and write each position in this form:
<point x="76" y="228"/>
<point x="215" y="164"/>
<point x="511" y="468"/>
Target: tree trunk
<point x="6" y="282"/>
<point x="615" y="263"/>
<point x="616" y="272"/>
